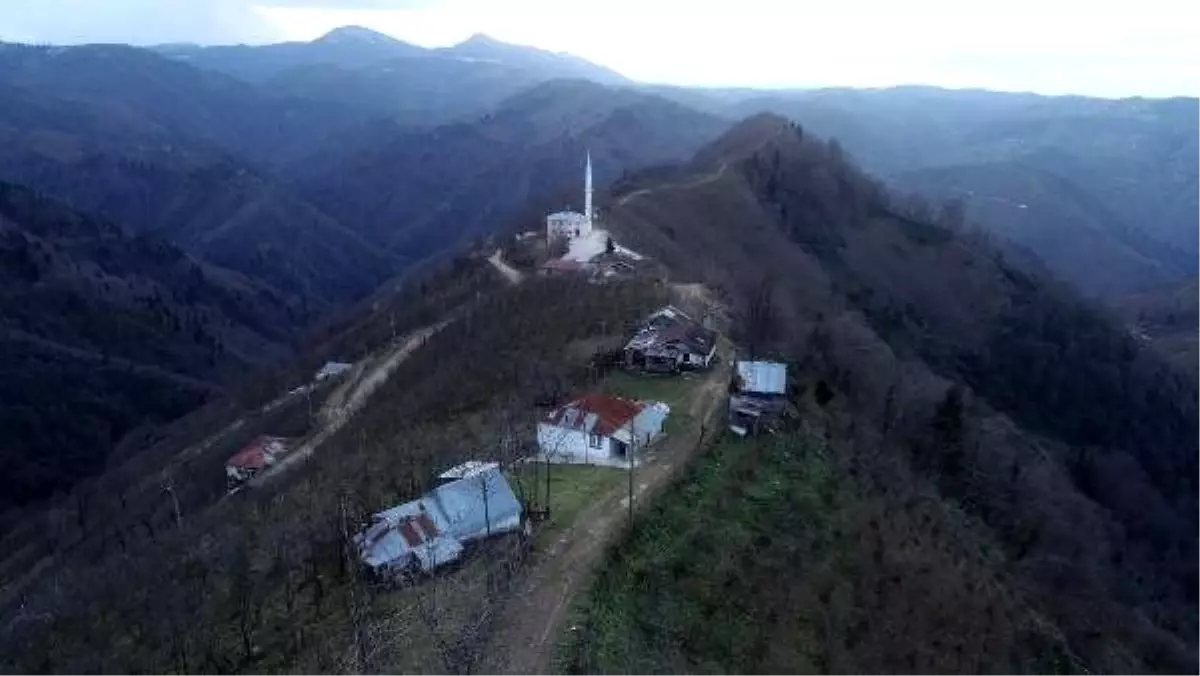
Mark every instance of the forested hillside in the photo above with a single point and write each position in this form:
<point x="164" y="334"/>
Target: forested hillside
<point x="310" y="201"/>
<point x="275" y="589"/>
<point x="1069" y="448"/>
<point x="417" y="193"/>
<point x="105" y="331"/>
<point x="1077" y="180"/>
<point x="932" y="503"/>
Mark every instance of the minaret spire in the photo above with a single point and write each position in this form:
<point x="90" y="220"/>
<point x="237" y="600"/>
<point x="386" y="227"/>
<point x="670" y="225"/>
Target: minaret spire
<point x="587" y="191"/>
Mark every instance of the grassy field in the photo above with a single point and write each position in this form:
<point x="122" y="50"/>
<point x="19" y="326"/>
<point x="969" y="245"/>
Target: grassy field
<point x="683" y="592"/>
<point x="676" y="391"/>
<point x="572" y="489"/>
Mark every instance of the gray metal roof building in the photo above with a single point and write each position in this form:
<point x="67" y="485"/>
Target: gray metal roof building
<point x="762" y="377"/>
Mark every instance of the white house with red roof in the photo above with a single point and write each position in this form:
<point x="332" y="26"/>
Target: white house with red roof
<point x="598" y="429"/>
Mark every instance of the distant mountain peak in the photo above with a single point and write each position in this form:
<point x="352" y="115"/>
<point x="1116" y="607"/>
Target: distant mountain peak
<point x="483" y="46"/>
<point x="481" y="40"/>
<point x="753" y="134"/>
<point x="356" y="34"/>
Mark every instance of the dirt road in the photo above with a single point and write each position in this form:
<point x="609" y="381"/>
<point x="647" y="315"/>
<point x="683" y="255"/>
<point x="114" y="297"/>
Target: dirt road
<point x="526" y="629"/>
<point x="511" y="274"/>
<point x="349" y="399"/>
<point x="707" y="178"/>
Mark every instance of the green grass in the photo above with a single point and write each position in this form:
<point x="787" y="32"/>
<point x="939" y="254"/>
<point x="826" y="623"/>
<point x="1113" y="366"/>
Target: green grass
<point x="675" y="391"/>
<point x="573" y="488"/>
<point x="693" y="587"/>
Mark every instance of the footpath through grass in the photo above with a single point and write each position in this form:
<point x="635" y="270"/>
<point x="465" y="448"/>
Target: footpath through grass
<point x="573" y="488"/>
<point x="695" y="588"/>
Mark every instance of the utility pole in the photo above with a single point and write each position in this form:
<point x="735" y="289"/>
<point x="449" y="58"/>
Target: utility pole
<point x="632" y="450"/>
<point x="168" y="486"/>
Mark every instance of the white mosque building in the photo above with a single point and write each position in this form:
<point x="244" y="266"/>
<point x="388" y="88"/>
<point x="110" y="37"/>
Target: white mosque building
<point x="573" y="225"/>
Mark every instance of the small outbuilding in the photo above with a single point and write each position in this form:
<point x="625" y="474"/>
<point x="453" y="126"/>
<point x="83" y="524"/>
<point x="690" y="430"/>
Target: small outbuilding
<point x="254" y="458"/>
<point x="331" y="369"/>
<point x="599" y="429"/>
<point x="757" y="395"/>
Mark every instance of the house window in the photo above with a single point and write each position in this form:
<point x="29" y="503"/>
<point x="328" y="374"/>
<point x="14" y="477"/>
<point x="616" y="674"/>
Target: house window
<point x="595" y="441"/>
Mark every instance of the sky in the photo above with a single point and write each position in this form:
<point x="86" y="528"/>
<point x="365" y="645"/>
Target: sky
<point x="1097" y="48"/>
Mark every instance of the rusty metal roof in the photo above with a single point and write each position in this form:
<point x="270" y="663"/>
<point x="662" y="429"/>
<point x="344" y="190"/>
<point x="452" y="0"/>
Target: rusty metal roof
<point x="418" y="529"/>
<point x="258" y="453"/>
<point x="596" y="414"/>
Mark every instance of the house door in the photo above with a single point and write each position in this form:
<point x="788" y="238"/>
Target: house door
<point x="620" y="449"/>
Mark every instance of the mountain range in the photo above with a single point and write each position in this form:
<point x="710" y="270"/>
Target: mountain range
<point x="312" y="202"/>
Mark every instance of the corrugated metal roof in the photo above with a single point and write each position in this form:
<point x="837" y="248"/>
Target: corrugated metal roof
<point x="763" y="377"/>
<point x="434" y="527"/>
<point x="595" y="414"/>
<point x="479" y="504"/>
<point x="466" y="469"/>
<point x="332" y="368"/>
<point x="651" y="420"/>
<point x="671" y="326"/>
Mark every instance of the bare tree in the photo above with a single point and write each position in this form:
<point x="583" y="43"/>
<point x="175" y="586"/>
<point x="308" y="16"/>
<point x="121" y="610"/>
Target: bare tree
<point x="761" y="316"/>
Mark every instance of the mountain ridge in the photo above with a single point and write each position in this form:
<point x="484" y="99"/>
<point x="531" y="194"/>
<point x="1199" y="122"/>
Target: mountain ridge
<point x="824" y="266"/>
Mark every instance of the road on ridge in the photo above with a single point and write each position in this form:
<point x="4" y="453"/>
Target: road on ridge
<point x="529" y="623"/>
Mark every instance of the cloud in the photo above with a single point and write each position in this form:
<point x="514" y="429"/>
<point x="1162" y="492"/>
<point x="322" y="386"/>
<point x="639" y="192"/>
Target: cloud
<point x="138" y="22"/>
<point x="334" y="5"/>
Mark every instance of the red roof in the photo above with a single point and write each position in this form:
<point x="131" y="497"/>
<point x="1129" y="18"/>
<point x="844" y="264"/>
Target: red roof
<point x="612" y="413"/>
<point x="254" y="455"/>
<point x="409" y="529"/>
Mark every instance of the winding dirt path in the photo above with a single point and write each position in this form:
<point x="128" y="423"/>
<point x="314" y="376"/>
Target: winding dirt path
<point x="707" y="178"/>
<point x="509" y="272"/>
<point x="350" y="399"/>
<point x="528" y="626"/>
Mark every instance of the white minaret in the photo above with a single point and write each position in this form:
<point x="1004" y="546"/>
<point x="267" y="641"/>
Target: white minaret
<point x="587" y="192"/>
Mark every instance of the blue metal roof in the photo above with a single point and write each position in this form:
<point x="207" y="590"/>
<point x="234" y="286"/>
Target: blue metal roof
<point x="479" y="504"/>
<point x="462" y="510"/>
<point x="763" y="377"/>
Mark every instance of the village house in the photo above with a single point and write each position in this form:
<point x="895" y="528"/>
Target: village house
<point x="331" y="369"/>
<point x="757" y="395"/>
<point x="254" y="458"/>
<point x="598" y="429"/>
<point x="473" y="502"/>
<point x="670" y="341"/>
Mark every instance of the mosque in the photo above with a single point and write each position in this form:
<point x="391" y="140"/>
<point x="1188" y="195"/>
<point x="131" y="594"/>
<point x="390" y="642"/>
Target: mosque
<point x="573" y="225"/>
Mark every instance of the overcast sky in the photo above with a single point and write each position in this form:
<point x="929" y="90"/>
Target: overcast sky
<point x="1100" y="48"/>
